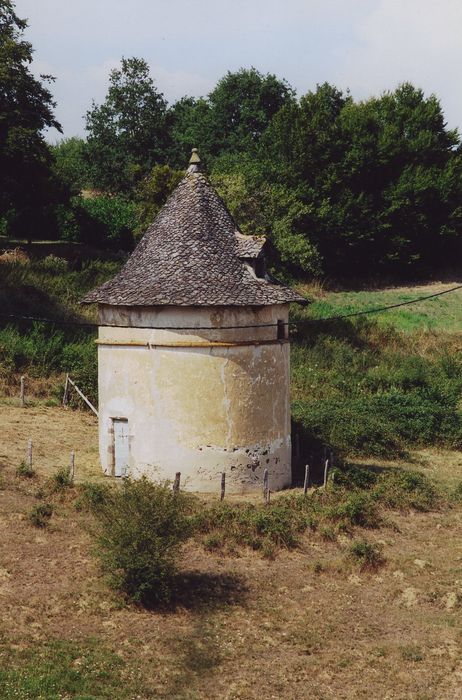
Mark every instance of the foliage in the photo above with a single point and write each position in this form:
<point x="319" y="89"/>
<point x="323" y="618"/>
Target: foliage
<point x="91" y="496"/>
<point x="250" y="525"/>
<point x="355" y="499"/>
<point x="60" y="480"/>
<point x="40" y="514"/>
<point x="241" y="107"/>
<point x="364" y="389"/>
<point x="379" y="181"/>
<point x="367" y="554"/>
<point x="42" y="350"/>
<point x="141" y="528"/>
<point x="25" y="471"/>
<point x="28" y="190"/>
<point x="126" y="133"/>
<point x="400" y="489"/>
<point x="152" y="192"/>
<point x="70" y="164"/>
<point x="106" y="221"/>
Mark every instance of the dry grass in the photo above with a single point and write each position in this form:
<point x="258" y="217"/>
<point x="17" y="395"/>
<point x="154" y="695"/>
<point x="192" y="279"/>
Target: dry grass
<point x="55" y="432"/>
<point x="308" y="624"/>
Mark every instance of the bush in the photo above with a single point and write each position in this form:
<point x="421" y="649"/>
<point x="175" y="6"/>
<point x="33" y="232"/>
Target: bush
<point x="251" y="525"/>
<point x="140" y="529"/>
<point x="367" y="554"/>
<point x="363" y="389"/>
<point x="40" y="515"/>
<point x="402" y="489"/>
<point x="25" y="471"/>
<point x="107" y="220"/>
<point x="91" y="496"/>
<point x="61" y="480"/>
<point x="354" y="509"/>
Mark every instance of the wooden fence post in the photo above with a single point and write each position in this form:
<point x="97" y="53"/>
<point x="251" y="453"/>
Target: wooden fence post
<point x="326" y="472"/>
<point x="307" y="479"/>
<point x="223" y="486"/>
<point x="29" y="453"/>
<point x="66" y="390"/>
<point x="72" y="466"/>
<point x="176" y="483"/>
<point x="266" y="491"/>
<point x="21" y="395"/>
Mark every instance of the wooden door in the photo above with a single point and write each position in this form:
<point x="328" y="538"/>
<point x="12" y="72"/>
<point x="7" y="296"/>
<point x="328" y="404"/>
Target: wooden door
<point x="121" y="446"/>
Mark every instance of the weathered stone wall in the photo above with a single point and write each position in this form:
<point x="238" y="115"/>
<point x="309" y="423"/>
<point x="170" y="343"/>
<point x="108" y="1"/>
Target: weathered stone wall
<point x="197" y="401"/>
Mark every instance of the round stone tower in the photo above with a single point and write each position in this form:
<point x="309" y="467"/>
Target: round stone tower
<point x="193" y="352"/>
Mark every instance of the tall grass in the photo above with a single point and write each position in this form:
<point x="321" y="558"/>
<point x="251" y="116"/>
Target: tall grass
<point x="366" y="389"/>
<point x="48" y="288"/>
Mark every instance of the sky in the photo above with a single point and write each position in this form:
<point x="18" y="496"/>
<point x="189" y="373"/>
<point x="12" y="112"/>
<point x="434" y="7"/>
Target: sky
<point x="368" y="46"/>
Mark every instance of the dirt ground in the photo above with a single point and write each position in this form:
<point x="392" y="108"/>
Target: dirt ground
<point x="306" y="625"/>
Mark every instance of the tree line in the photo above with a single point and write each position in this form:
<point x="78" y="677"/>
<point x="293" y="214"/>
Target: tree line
<point x="339" y="186"/>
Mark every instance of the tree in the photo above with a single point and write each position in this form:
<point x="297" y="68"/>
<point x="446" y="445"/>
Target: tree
<point x="152" y="192"/>
<point x="70" y="163"/>
<point x="232" y="118"/>
<point x="373" y="186"/>
<point x="127" y="133"/>
<point x="242" y="106"/>
<point x="27" y="188"/>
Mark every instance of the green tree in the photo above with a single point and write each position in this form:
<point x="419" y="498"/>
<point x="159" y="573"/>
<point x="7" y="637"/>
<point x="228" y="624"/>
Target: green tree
<point x="70" y="163"/>
<point x="373" y="186"/>
<point x="152" y="192"/>
<point x="189" y="126"/>
<point x="127" y="133"/>
<point x="27" y="188"/>
<point x="242" y="106"/>
<point x="232" y="118"/>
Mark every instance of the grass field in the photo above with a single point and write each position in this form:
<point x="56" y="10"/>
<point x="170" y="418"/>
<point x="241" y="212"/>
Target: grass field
<point x="443" y="313"/>
<point x="308" y="623"/>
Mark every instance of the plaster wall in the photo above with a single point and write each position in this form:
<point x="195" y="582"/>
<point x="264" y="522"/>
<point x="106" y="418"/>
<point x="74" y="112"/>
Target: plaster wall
<point x="200" y="401"/>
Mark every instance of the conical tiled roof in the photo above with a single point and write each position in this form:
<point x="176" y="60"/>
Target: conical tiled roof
<point x="189" y="257"/>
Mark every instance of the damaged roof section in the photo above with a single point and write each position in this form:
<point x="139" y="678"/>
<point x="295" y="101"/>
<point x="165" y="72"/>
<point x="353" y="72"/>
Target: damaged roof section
<point x="189" y="257"/>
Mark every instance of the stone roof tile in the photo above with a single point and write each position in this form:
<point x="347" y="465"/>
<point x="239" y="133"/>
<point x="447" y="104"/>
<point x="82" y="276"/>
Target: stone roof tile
<point x="189" y="257"/>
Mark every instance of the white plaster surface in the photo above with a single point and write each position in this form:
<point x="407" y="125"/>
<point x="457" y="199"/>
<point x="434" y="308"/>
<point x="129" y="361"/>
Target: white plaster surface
<point x="196" y="407"/>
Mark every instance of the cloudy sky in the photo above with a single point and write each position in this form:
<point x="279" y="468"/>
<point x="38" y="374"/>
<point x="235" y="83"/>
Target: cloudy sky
<point x="366" y="45"/>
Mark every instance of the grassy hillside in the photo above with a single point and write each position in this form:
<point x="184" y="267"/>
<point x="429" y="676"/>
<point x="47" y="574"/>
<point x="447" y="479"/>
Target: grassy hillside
<point x="377" y="384"/>
<point x="443" y="313"/>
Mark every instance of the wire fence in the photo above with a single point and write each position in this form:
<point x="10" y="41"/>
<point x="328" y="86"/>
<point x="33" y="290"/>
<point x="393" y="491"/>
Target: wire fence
<point x="295" y="324"/>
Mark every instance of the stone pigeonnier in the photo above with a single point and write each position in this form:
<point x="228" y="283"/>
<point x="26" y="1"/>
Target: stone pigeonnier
<point x="193" y="352"/>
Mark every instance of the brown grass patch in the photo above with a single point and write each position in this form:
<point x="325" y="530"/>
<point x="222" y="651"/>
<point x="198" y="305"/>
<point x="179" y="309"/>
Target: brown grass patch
<point x="303" y="625"/>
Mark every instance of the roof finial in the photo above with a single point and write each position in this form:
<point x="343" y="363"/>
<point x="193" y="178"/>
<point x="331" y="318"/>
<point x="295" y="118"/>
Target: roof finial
<point x="194" y="162"/>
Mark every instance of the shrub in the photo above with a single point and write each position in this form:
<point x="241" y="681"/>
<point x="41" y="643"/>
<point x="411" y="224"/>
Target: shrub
<point x="353" y="509"/>
<point x="40" y="515"/>
<point x="367" y="554"/>
<point x="25" y="471"/>
<point x="61" y="480"/>
<point x="363" y="389"/>
<point x="399" y="488"/>
<point x="140" y="529"/>
<point x="91" y="496"/>
<point x="253" y="526"/>
<point x="107" y="220"/>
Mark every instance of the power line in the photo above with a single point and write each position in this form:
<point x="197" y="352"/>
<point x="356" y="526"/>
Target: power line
<point x="84" y="324"/>
<point x="378" y="309"/>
